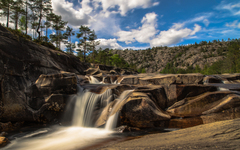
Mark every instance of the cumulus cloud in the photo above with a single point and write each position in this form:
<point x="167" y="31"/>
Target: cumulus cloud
<point x="105" y="25"/>
<point x="143" y="34"/>
<point x="174" y="35"/>
<point x="109" y="43"/>
<point x="148" y="33"/>
<point x="68" y="13"/>
<point x="123" y="6"/>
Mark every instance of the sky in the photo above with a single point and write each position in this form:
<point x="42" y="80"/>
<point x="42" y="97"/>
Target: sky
<point x="141" y="24"/>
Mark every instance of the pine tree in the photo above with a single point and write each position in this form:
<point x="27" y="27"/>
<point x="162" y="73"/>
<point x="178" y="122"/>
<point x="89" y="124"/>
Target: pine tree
<point x="93" y="43"/>
<point x="83" y="36"/>
<point x="5" y="6"/>
<point x="17" y="9"/>
<point x="42" y="8"/>
<point x="58" y="26"/>
<point x="68" y="34"/>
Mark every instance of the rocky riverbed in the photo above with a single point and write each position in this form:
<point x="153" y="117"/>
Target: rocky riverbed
<point x="37" y="84"/>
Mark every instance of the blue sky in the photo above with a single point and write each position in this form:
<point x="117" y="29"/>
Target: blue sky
<point x="140" y="24"/>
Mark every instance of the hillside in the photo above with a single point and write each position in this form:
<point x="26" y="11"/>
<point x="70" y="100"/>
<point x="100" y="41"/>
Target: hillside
<point x="180" y="57"/>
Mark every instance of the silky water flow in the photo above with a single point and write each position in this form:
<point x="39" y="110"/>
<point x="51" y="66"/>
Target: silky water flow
<point x="80" y="134"/>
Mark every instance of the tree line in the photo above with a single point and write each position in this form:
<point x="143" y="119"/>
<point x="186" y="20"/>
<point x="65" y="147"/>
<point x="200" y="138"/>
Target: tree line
<point x="230" y="64"/>
<point x="37" y="16"/>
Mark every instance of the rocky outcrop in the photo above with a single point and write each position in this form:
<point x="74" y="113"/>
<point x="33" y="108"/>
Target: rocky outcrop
<point x="222" y="135"/>
<point x="175" y="105"/>
<point x="36" y="83"/>
<point x="21" y="64"/>
<point x="156" y="59"/>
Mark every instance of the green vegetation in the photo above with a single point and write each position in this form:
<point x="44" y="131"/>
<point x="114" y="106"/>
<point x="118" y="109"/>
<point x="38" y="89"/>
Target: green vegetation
<point x="231" y="64"/>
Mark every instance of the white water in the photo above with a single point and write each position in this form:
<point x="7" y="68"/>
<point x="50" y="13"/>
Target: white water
<point x="77" y="136"/>
<point x="94" y="80"/>
<point x="112" y="120"/>
<point x="85" y="104"/>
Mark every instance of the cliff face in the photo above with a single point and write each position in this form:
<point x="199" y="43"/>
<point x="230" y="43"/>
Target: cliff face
<point x="155" y="59"/>
<point x="21" y="63"/>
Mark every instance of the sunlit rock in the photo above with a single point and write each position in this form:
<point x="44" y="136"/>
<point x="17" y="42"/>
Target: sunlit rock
<point x="196" y="106"/>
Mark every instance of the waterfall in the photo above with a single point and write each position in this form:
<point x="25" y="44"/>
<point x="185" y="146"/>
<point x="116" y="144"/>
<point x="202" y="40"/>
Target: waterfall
<point x="113" y="117"/>
<point x="84" y="109"/>
<point x="77" y="136"/>
<point x="93" y="80"/>
<point x="85" y="105"/>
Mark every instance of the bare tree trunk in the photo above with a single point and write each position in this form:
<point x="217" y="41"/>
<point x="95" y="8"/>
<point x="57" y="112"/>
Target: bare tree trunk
<point x="8" y="13"/>
<point x="39" y="24"/>
<point x="26" y="23"/>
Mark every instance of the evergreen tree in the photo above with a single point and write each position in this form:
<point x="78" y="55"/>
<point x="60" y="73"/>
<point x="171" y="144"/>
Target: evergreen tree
<point x="92" y="44"/>
<point x="17" y="9"/>
<point x="68" y="34"/>
<point x="42" y="8"/>
<point x="5" y="6"/>
<point x="84" y="36"/>
<point x="58" y="26"/>
<point x="22" y="23"/>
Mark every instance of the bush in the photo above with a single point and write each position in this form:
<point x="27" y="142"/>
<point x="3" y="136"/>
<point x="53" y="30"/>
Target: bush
<point x="19" y="33"/>
<point x="44" y="43"/>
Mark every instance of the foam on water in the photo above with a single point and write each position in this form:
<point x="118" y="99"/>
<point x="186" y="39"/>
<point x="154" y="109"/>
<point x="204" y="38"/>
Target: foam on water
<point x="79" y="135"/>
<point x="63" y="138"/>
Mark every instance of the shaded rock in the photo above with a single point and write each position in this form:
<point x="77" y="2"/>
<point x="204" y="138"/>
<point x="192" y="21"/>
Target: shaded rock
<point x="6" y="126"/>
<point x="156" y="93"/>
<point x="176" y="92"/>
<point x="125" y="128"/>
<point x="197" y="105"/>
<point x="21" y="64"/>
<point x="140" y="111"/>
<point x="212" y="79"/>
<point x="183" y="122"/>
<point x="226" y="87"/>
<point x="131" y="79"/>
<point x="172" y="79"/>
<point x="227" y="114"/>
<point x="231" y="78"/>
<point x="92" y="71"/>
<point x="46" y="85"/>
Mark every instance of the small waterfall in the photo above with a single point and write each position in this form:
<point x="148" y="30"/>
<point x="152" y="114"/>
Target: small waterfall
<point x="93" y="80"/>
<point x="85" y="105"/>
<point x="113" y="117"/>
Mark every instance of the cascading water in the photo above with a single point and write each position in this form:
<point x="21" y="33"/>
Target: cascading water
<point x="77" y="136"/>
<point x="84" y="107"/>
<point x="112" y="120"/>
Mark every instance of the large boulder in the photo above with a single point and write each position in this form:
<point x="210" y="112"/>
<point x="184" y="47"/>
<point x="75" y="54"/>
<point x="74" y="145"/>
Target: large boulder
<point x="209" y="102"/>
<point x="21" y="64"/>
<point x="177" y="92"/>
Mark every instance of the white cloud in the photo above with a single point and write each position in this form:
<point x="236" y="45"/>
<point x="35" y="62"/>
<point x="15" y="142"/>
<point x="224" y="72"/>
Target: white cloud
<point x="232" y="7"/>
<point x="202" y="18"/>
<point x="106" y="25"/>
<point x="206" y="22"/>
<point x="234" y="24"/>
<point x="68" y="13"/>
<point x="148" y="33"/>
<point x="86" y="6"/>
<point x="109" y="43"/>
<point x="143" y="34"/>
<point x="174" y="35"/>
<point x="123" y="6"/>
